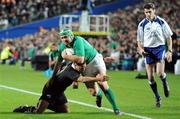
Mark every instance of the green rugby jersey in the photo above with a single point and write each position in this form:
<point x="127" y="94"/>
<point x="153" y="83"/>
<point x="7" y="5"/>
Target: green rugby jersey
<point x="81" y="48"/>
<point x="53" y="55"/>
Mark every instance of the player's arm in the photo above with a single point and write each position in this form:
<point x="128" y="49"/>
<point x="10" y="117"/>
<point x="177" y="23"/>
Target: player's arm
<point x="56" y="67"/>
<point x="79" y="50"/>
<point x="97" y="78"/>
<point x="73" y="58"/>
<point x="109" y="59"/>
<point x="59" y="60"/>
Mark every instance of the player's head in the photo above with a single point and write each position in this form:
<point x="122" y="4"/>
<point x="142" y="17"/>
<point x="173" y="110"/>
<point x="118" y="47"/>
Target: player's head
<point x="53" y="47"/>
<point x="149" y="11"/>
<point x="67" y="36"/>
<point x="80" y="66"/>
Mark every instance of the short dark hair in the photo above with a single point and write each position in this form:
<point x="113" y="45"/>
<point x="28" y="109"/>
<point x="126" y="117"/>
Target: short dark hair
<point x="53" y="44"/>
<point x="149" y="6"/>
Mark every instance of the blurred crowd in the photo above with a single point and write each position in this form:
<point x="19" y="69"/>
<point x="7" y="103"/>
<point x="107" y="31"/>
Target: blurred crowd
<point x="124" y="25"/>
<point x="16" y="12"/>
<point x="122" y="42"/>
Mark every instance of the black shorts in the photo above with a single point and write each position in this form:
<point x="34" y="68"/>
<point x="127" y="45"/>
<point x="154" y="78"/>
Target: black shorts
<point x="52" y="96"/>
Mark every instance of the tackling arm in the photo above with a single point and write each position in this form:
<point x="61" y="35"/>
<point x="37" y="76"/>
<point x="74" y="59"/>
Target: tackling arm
<point x="109" y="59"/>
<point x="73" y="58"/>
<point x="56" y="69"/>
<point x="97" y="78"/>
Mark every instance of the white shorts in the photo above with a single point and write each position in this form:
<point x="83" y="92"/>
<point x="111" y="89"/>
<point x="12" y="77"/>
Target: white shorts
<point x="96" y="66"/>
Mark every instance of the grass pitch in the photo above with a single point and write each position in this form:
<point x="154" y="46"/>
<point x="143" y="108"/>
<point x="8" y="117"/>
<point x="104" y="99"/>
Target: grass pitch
<point x="133" y="96"/>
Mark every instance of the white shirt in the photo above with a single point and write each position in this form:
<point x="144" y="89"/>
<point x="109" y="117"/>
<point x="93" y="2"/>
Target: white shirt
<point x="153" y="33"/>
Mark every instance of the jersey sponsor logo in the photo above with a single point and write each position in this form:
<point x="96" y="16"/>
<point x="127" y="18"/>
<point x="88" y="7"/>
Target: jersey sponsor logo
<point x="48" y="96"/>
<point x="148" y="28"/>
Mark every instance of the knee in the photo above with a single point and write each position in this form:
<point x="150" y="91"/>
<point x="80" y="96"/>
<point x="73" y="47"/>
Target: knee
<point x="103" y="85"/>
<point x="66" y="110"/>
<point x="62" y="109"/>
<point x="100" y="83"/>
<point x="160" y="74"/>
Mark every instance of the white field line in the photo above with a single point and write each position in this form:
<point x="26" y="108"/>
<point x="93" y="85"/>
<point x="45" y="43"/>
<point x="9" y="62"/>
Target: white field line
<point x="76" y="102"/>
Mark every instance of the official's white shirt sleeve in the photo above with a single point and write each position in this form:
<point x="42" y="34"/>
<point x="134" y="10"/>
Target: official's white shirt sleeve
<point x="166" y="30"/>
<point x="140" y="36"/>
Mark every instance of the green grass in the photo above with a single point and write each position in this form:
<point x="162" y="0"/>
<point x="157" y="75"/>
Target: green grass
<point x="133" y="96"/>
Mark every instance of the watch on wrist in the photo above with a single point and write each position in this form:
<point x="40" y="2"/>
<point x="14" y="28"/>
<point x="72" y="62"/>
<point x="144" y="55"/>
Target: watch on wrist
<point x="170" y="51"/>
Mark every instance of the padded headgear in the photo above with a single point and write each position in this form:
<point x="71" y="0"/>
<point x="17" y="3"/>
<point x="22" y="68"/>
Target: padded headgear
<point x="67" y="32"/>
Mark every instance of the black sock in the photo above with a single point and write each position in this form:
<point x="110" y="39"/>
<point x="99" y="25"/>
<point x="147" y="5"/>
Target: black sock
<point x="154" y="89"/>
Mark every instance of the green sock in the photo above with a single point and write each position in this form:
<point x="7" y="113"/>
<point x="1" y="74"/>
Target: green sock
<point x="109" y="95"/>
<point x="99" y="93"/>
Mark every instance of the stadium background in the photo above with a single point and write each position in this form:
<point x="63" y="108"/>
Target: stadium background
<point x="34" y="23"/>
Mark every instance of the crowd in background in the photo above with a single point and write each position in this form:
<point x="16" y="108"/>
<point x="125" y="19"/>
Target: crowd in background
<point x="124" y="25"/>
<point x="122" y="42"/>
<point x="16" y="12"/>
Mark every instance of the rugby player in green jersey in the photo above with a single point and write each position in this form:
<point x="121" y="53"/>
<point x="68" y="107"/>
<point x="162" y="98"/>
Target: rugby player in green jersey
<point x="84" y="52"/>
